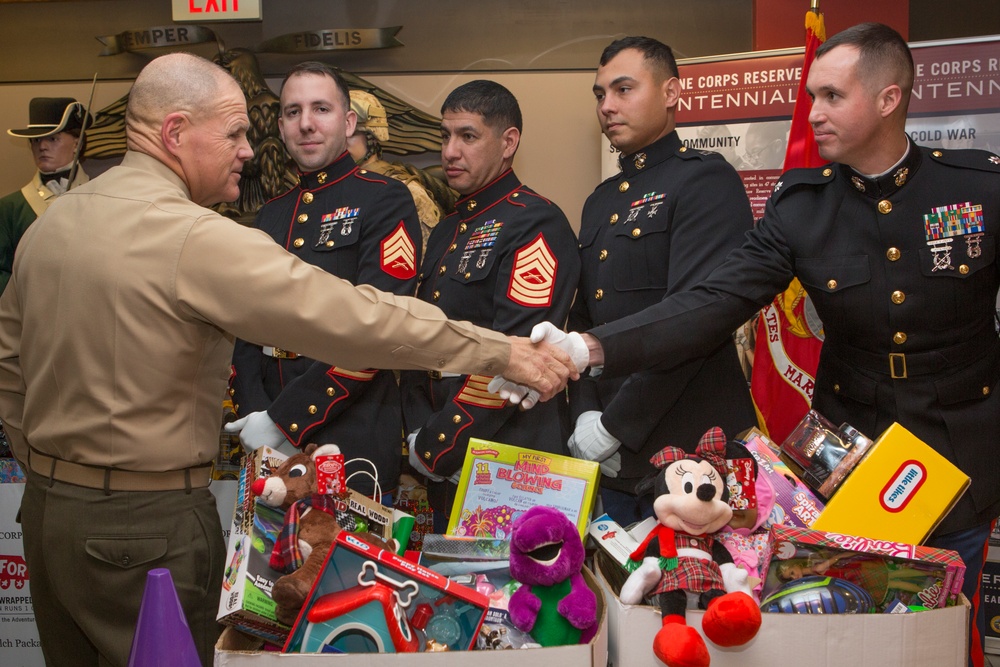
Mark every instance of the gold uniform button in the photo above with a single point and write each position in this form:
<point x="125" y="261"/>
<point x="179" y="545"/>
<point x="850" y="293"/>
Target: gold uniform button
<point x="441" y="270"/>
<point x="436" y="295"/>
<point x="298" y="243"/>
<point x="363" y="171"/>
<point x="232" y="392"/>
<point x="307" y="198"/>
<point x="293" y="428"/>
<point x="453" y="247"/>
<point x="467" y="275"/>
<point x="636" y="232"/>
<point x="427" y="455"/>
<point x="986" y="390"/>
<point x="472" y="205"/>
<point x="303" y="217"/>
<point x="937" y="153"/>
<point x="963" y="269"/>
<point x="329" y="244"/>
<point x="441" y="438"/>
<point x="898" y="297"/>
<point x="515" y="195"/>
<point x="330" y="391"/>
<point x="457" y="419"/>
<point x="836" y="388"/>
<point x="899" y="338"/>
<point x="885" y="207"/>
<point x="599" y="294"/>
<point x="603" y="255"/>
<point x="623" y="187"/>
<point x="321" y="177"/>
<point x="682" y="149"/>
<point x="312" y="409"/>
<point x="827" y="171"/>
<point x="831" y="284"/>
<point x="236" y="407"/>
<point x="614" y="218"/>
<point x="461" y="228"/>
<point x="892" y="254"/>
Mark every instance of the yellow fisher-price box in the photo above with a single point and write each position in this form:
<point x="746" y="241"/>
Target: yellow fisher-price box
<point x="900" y="491"/>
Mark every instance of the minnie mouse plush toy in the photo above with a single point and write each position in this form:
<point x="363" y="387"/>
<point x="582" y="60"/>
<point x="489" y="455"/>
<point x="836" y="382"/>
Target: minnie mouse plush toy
<point x="680" y="555"/>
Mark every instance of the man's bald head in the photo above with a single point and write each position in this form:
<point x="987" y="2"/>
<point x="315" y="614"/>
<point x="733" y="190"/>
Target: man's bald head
<point x="174" y="82"/>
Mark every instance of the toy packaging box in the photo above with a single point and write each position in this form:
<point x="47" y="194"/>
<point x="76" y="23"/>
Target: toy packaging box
<point x="499" y="481"/>
<point x="823" y="455"/>
<point x="369" y="600"/>
<point x="899" y="492"/>
<point x="897" y="577"/>
<point x="794" y="503"/>
<point x="246" y="602"/>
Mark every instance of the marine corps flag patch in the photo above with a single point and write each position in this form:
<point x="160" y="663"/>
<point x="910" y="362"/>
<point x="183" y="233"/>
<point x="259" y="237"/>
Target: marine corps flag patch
<point x="399" y="258"/>
<point x="533" y="277"/>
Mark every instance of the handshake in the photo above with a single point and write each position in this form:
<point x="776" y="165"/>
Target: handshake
<point x="540" y="366"/>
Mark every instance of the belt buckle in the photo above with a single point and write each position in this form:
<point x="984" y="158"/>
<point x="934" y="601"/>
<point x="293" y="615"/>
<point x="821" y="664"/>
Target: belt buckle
<point x="434" y="375"/>
<point x="283" y="354"/>
<point x="900" y="359"/>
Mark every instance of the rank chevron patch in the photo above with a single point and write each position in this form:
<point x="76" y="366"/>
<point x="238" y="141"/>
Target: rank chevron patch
<point x="399" y="257"/>
<point x="476" y="392"/>
<point x="533" y="277"/>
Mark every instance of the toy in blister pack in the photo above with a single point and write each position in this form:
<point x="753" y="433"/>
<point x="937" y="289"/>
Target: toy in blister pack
<point x="822" y="454"/>
<point x="890" y="573"/>
<point x="815" y="594"/>
<point x="367" y="599"/>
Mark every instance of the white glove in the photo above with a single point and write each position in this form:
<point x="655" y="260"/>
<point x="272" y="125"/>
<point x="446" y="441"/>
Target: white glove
<point x="513" y="392"/>
<point x="735" y="579"/>
<point x="571" y="343"/>
<point x="591" y="441"/>
<point x="415" y="461"/>
<point x="611" y="466"/>
<point x="257" y="430"/>
<point x="641" y="581"/>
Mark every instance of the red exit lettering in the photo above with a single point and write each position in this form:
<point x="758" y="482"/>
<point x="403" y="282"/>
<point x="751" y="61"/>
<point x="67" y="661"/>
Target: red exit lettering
<point x="213" y="6"/>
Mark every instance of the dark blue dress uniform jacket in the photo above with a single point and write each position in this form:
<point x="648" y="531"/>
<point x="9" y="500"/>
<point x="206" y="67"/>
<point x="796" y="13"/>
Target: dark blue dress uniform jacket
<point x="362" y="227"/>
<point x="507" y="260"/>
<point x="903" y="270"/>
<point x="659" y="227"/>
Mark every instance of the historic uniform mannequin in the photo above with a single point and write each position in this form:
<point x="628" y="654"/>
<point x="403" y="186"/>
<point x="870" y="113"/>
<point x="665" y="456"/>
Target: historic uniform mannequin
<point x="55" y="125"/>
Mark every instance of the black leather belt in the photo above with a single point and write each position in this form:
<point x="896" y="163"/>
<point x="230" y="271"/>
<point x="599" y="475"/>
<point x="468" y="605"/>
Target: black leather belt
<point x="115" y="479"/>
<point x="900" y="365"/>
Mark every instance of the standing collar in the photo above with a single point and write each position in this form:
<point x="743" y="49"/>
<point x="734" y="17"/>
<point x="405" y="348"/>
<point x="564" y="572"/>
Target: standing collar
<point x="653" y="154"/>
<point x="331" y="173"/>
<point x="472" y="205"/>
<point x="887" y="184"/>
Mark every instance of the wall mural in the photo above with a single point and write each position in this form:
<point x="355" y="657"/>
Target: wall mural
<point x="271" y="172"/>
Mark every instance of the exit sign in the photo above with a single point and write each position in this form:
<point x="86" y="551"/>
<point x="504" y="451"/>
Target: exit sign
<point x="216" y="10"/>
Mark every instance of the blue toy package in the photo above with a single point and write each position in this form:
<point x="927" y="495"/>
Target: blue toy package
<point x="367" y="599"/>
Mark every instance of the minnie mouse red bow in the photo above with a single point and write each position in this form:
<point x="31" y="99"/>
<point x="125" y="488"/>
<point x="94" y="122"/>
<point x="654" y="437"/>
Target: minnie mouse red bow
<point x="711" y="447"/>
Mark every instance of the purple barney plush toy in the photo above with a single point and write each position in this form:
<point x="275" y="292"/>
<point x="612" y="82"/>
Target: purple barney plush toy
<point x="554" y="604"/>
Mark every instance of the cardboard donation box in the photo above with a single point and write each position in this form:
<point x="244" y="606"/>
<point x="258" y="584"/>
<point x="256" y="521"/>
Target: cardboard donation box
<point x="937" y="637"/>
<point x="236" y="649"/>
<point x="899" y="492"/>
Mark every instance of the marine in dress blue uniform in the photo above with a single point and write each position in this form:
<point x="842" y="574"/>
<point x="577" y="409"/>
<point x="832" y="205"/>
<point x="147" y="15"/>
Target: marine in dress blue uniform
<point x="658" y="227"/>
<point x="361" y="226"/>
<point x="507" y="260"/>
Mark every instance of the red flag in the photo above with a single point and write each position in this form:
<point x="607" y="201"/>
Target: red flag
<point x="789" y="334"/>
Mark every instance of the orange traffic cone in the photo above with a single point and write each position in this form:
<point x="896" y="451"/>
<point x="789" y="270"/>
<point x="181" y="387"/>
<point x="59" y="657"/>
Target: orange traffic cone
<point x="162" y="636"/>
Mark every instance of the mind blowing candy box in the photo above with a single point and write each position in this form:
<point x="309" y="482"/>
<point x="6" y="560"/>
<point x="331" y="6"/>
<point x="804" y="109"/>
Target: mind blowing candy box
<point x="499" y="482"/>
<point x="893" y="573"/>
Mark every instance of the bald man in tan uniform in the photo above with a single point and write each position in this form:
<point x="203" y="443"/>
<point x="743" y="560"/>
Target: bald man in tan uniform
<point x="116" y="333"/>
